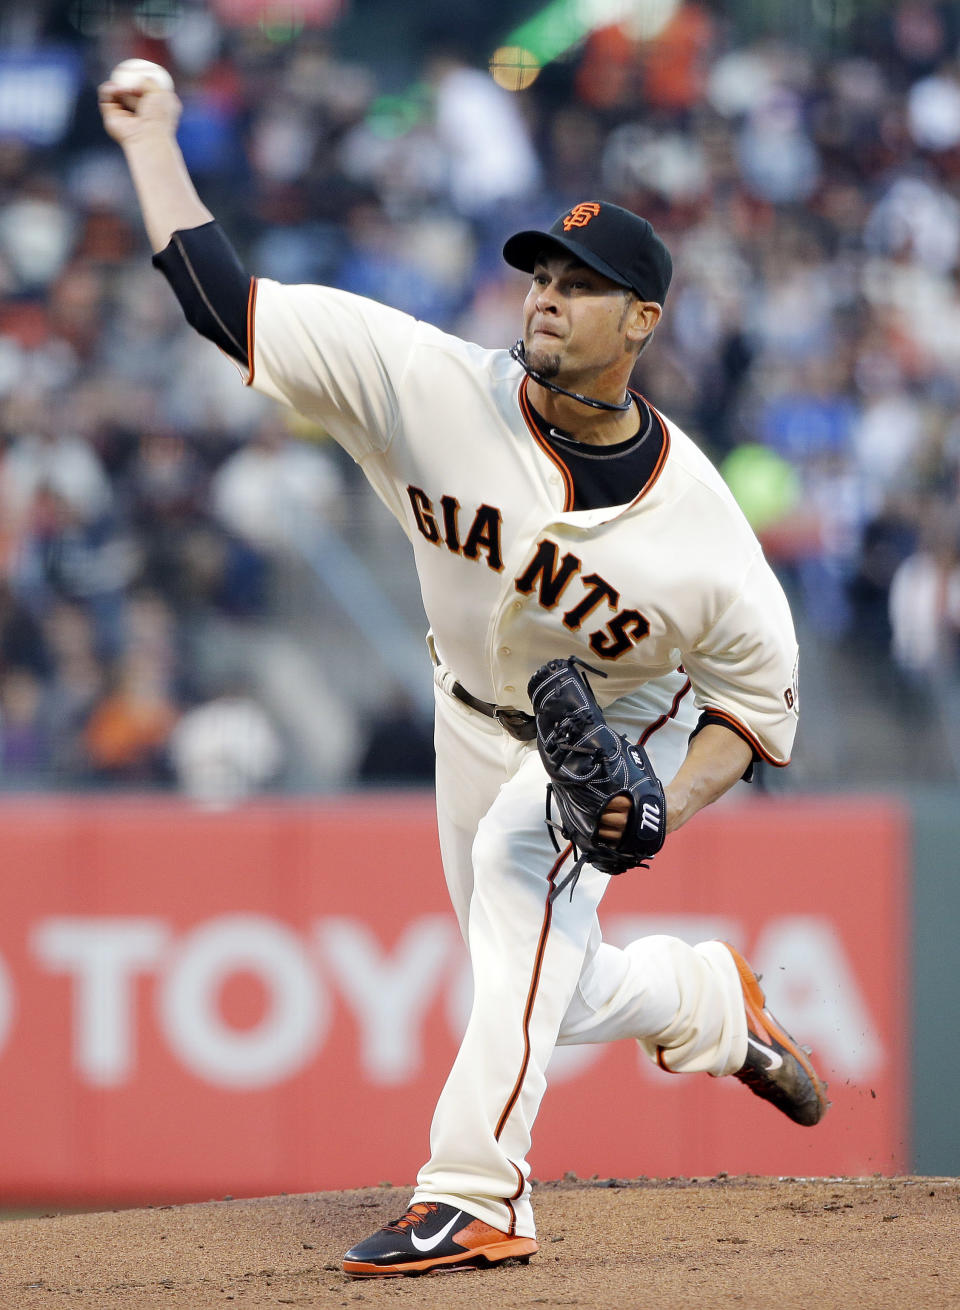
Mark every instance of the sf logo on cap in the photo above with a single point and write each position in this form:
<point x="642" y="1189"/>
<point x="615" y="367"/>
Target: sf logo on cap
<point x="580" y="215"/>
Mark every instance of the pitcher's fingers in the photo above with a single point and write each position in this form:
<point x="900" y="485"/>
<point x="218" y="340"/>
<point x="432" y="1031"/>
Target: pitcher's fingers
<point x="613" y="821"/>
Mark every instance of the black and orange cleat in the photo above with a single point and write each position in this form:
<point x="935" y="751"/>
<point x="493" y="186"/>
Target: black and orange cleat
<point x="776" y="1068"/>
<point x="434" y="1236"/>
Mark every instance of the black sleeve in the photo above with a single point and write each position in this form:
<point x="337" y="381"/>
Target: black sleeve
<point x="211" y="284"/>
<point x="724" y="722"/>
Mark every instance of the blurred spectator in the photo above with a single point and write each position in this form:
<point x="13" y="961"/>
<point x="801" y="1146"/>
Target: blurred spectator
<point x="886" y="437"/>
<point x="920" y="34"/>
<point x="75" y="685"/>
<point x="42" y="455"/>
<point x="127" y="733"/>
<point x="778" y="159"/>
<point x="274" y="489"/>
<point x="36" y="235"/>
<point x="671" y="165"/>
<point x="418" y="268"/>
<point x="933" y="110"/>
<point x="915" y="219"/>
<point x="22" y="643"/>
<point x="163" y="490"/>
<point x="164" y="483"/>
<point x="925" y="604"/>
<point x="814" y="417"/>
<point x="399" y="749"/>
<point x="24" y="753"/>
<point x="888" y="539"/>
<point x="62" y="556"/>
<point x="225" y="749"/>
<point x="484" y="138"/>
<point x="140" y="343"/>
<point x="644" y="61"/>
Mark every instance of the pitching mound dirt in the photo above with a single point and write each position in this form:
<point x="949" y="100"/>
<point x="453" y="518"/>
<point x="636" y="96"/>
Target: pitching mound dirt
<point x="874" y="1243"/>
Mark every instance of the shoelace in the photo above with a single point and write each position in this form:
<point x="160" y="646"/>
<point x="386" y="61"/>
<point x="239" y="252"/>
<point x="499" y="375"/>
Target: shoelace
<point x="413" y="1218"/>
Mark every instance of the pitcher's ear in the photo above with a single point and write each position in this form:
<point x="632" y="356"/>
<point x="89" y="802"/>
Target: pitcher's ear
<point x="643" y="317"/>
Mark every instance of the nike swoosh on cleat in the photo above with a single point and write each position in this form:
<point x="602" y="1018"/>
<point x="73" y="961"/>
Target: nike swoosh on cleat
<point x="773" y="1060"/>
<point x="428" y="1243"/>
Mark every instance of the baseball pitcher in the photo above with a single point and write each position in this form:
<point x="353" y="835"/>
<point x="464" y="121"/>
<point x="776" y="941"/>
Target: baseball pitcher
<point x="610" y="651"/>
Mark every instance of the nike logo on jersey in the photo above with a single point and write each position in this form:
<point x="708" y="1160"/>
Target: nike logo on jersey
<point x="430" y="1243"/>
<point x="770" y="1058"/>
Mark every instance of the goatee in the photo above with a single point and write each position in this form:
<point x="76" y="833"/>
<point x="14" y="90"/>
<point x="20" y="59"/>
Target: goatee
<point x="539" y="361"/>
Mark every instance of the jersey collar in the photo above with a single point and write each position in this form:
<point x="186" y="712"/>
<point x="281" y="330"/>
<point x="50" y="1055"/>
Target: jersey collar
<point x="597" y="515"/>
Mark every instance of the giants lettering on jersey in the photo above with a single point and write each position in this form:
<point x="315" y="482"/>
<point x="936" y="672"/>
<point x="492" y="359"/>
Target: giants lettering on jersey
<point x="483" y="534"/>
<point x="552" y="578"/>
<point x="545" y="574"/>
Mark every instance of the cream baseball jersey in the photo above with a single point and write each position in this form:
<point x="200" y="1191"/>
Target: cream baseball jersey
<point x="510" y="575"/>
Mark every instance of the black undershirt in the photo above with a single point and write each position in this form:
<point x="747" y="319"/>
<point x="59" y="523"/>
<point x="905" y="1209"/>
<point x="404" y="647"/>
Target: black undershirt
<point x="607" y="475"/>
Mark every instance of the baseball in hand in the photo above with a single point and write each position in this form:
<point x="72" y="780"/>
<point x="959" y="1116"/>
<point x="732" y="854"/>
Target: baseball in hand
<point x="133" y="74"/>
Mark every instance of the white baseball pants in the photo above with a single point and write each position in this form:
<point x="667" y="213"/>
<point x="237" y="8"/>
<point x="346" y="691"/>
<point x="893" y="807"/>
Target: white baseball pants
<point x="542" y="974"/>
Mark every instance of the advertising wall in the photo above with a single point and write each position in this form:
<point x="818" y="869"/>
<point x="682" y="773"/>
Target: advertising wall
<point x="195" y="1004"/>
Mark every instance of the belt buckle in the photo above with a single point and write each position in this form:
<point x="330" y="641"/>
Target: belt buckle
<point x="521" y="726"/>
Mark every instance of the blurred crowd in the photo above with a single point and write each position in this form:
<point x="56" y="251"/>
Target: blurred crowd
<point x="809" y="190"/>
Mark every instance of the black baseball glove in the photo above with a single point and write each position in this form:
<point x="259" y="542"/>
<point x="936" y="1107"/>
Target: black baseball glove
<point x="588" y="764"/>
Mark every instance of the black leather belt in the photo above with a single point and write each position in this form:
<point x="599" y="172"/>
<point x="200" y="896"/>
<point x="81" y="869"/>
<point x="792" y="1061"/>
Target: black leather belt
<point x="519" y="724"/>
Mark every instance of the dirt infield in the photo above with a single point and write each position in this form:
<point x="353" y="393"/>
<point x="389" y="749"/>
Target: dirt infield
<point x="793" y="1244"/>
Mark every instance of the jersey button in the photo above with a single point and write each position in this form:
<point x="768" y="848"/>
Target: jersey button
<point x="509" y="687"/>
<point x="505" y="650"/>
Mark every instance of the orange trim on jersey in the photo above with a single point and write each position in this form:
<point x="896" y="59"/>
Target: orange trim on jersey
<point x="251" y="318"/>
<point x="657" y="724"/>
<point x="664" y="451"/>
<point x="661" y="1060"/>
<point x="736" y="726"/>
<point x="545" y="446"/>
<point x="531" y="997"/>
